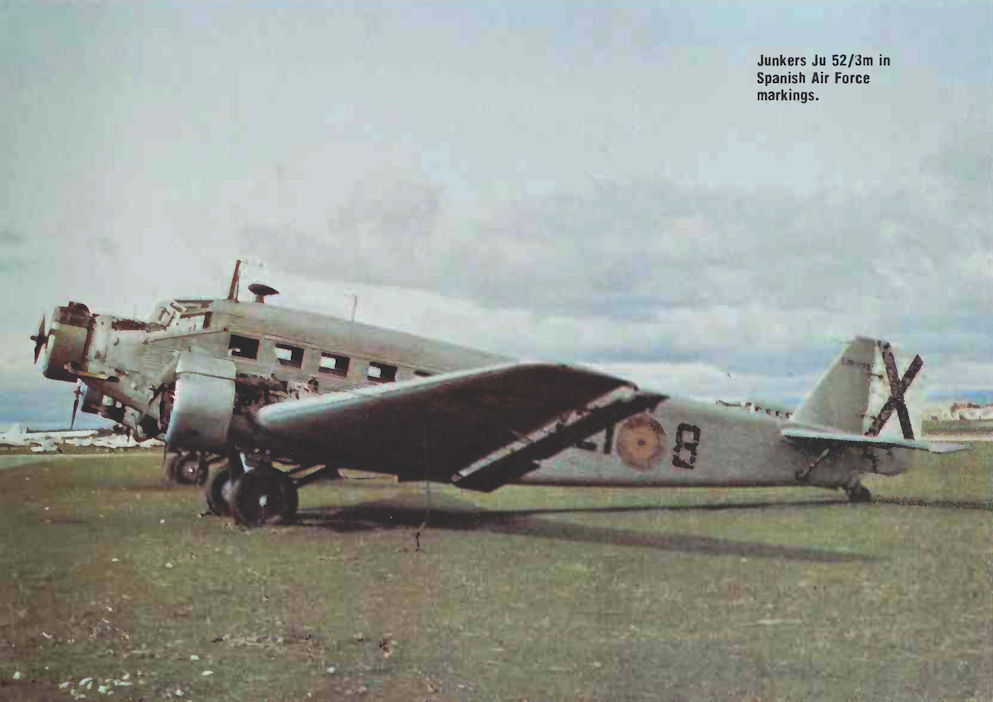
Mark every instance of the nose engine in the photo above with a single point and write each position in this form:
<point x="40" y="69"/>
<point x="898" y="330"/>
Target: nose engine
<point x="64" y="342"/>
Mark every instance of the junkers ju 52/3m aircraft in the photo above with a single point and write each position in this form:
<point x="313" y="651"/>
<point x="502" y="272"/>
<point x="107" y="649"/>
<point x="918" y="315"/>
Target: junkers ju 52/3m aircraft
<point x="253" y="387"/>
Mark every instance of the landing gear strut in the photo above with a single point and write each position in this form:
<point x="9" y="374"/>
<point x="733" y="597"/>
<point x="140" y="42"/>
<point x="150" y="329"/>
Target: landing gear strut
<point x="859" y="493"/>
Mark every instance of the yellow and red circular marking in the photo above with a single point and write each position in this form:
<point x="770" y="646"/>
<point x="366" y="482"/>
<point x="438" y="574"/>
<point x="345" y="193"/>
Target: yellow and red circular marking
<point x="641" y="442"/>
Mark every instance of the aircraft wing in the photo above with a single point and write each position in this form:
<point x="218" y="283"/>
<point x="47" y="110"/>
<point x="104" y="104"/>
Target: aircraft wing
<point x="800" y="436"/>
<point x="480" y="428"/>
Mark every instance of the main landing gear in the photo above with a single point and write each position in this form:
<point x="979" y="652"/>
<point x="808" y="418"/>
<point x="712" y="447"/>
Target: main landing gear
<point x="188" y="468"/>
<point x="258" y="497"/>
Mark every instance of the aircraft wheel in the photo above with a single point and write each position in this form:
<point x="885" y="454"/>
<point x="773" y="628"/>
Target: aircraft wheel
<point x="219" y="493"/>
<point x="860" y="493"/>
<point x="264" y="496"/>
<point x="188" y="469"/>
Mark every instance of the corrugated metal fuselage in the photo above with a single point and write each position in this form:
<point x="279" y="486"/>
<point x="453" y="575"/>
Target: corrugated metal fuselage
<point x="694" y="443"/>
<point x="679" y="443"/>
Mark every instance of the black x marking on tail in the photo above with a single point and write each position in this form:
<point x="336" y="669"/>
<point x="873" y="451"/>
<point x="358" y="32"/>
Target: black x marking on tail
<point x="898" y="387"/>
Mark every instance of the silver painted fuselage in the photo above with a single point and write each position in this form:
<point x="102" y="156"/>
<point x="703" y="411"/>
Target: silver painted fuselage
<point x="705" y="444"/>
<point x="276" y="354"/>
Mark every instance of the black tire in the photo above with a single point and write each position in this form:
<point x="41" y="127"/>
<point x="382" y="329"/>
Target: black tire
<point x="188" y="469"/>
<point x="262" y="497"/>
<point x="219" y="492"/>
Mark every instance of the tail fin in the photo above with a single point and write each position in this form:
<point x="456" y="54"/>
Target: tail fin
<point x="866" y="375"/>
<point x="841" y="398"/>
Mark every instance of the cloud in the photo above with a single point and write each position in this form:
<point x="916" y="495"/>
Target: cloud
<point x="546" y="182"/>
<point x="705" y="381"/>
<point x="696" y="266"/>
<point x="9" y="236"/>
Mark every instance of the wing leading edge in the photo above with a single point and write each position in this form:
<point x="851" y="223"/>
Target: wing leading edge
<point x="480" y="428"/>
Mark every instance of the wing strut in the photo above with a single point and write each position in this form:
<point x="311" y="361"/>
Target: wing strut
<point x="514" y="460"/>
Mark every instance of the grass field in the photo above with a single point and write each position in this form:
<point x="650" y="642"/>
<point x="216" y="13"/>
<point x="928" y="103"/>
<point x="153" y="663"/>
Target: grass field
<point x="527" y="593"/>
<point x="957" y="426"/>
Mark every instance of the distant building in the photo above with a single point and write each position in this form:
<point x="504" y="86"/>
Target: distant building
<point x="970" y="410"/>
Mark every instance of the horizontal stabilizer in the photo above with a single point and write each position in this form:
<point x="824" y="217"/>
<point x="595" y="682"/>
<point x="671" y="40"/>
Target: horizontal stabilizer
<point x="824" y="439"/>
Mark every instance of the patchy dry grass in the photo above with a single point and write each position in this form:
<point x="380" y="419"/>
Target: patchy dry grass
<point x="526" y="593"/>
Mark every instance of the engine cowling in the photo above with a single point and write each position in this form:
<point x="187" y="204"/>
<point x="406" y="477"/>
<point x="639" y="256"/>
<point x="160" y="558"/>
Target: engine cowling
<point x="203" y="404"/>
<point x="66" y="341"/>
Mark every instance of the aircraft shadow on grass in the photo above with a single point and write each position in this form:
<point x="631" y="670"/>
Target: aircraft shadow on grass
<point x="936" y="504"/>
<point x="459" y="516"/>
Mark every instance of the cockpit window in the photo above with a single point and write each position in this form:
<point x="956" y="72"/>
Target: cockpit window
<point x="243" y="347"/>
<point x="75" y="313"/>
<point x="184" y="315"/>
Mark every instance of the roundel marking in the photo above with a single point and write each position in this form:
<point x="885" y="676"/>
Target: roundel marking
<point x="641" y="442"/>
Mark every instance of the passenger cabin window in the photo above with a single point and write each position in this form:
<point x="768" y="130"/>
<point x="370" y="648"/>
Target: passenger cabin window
<point x="334" y="364"/>
<point x="422" y="374"/>
<point x="243" y="347"/>
<point x="381" y="373"/>
<point x="291" y="356"/>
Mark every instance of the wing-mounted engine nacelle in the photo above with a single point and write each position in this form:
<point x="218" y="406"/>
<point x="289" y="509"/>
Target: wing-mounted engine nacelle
<point x="66" y="340"/>
<point x="92" y="400"/>
<point x="203" y="404"/>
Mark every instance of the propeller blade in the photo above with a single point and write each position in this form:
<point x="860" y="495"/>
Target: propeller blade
<point x="40" y="339"/>
<point x="75" y="406"/>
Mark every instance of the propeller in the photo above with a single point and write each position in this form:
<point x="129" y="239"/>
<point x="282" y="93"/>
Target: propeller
<point x="75" y="404"/>
<point x="40" y="339"/>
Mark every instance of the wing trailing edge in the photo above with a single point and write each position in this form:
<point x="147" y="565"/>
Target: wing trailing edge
<point x="514" y="460"/>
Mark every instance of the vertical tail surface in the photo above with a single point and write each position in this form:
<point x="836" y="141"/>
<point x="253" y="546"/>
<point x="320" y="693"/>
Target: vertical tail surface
<point x="865" y="375"/>
<point x="841" y="398"/>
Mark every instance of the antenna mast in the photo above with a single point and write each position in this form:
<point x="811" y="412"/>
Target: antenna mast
<point x="355" y="303"/>
<point x="235" y="280"/>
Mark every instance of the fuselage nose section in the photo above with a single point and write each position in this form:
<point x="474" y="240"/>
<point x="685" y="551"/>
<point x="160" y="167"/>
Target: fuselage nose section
<point x="66" y="341"/>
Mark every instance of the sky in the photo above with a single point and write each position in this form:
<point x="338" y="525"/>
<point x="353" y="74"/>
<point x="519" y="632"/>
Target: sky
<point x="589" y="182"/>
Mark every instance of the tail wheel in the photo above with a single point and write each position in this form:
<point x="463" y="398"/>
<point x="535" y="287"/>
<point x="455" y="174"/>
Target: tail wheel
<point x="264" y="496"/>
<point x="219" y="493"/>
<point x="859" y="493"/>
<point x="188" y="469"/>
